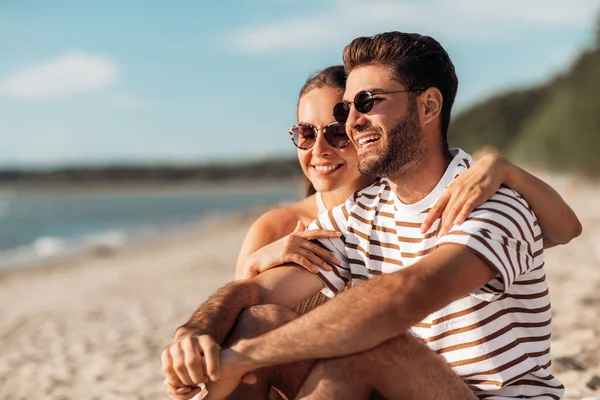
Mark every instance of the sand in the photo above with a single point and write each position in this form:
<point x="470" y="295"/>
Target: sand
<point x="93" y="327"/>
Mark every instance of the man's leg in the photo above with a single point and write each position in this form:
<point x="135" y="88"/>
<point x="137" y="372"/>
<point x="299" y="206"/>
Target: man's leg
<point x="401" y="368"/>
<point x="287" y="378"/>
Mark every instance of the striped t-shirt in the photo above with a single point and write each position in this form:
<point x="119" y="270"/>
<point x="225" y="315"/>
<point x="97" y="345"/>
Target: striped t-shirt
<point x="498" y="338"/>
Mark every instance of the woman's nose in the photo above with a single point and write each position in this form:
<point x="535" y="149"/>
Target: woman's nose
<point x="321" y="147"/>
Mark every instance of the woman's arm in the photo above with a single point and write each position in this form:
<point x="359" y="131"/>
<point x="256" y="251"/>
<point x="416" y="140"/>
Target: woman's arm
<point x="558" y="222"/>
<point x="277" y="238"/>
<point x="263" y="232"/>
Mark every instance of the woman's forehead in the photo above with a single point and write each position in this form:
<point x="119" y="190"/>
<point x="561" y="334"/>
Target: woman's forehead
<point x="317" y="105"/>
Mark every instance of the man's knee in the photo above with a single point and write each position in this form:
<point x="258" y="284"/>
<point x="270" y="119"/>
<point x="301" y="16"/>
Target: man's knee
<point x="336" y="378"/>
<point x="267" y="317"/>
<point x="257" y="320"/>
<point x="269" y="313"/>
<point x="403" y="347"/>
<point x="366" y="367"/>
<point x="374" y="371"/>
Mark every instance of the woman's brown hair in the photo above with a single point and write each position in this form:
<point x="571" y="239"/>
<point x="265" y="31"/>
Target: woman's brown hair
<point x="331" y="77"/>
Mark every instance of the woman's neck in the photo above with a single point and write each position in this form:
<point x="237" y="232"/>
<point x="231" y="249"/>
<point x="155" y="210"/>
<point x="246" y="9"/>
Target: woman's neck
<point x="337" y="196"/>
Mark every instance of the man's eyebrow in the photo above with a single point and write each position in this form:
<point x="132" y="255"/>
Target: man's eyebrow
<point x="372" y="90"/>
<point x="377" y="90"/>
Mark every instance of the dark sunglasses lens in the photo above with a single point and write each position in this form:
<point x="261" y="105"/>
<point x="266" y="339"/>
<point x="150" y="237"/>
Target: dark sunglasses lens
<point x="363" y="101"/>
<point x="336" y="136"/>
<point x="303" y="136"/>
<point x="341" y="111"/>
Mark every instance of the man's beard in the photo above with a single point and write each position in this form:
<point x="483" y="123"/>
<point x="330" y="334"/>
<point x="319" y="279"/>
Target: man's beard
<point x="404" y="144"/>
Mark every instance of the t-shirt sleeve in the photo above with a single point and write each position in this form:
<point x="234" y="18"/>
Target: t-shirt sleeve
<point x="339" y="278"/>
<point x="505" y="233"/>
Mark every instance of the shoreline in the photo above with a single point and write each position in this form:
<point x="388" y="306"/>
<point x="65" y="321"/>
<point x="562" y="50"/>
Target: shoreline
<point x="141" y="187"/>
<point x="52" y="244"/>
<point x="130" y="243"/>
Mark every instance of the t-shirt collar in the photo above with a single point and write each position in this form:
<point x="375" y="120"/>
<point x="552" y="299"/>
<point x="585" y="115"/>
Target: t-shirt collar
<point x="451" y="171"/>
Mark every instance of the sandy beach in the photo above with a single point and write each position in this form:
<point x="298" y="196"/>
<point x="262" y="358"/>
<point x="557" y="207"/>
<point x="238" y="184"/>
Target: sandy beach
<point x="93" y="327"/>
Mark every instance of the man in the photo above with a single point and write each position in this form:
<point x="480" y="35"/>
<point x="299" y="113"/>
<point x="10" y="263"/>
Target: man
<point x="414" y="316"/>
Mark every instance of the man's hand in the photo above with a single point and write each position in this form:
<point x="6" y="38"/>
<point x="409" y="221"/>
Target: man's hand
<point x="181" y="392"/>
<point x="189" y="361"/>
<point x="235" y="369"/>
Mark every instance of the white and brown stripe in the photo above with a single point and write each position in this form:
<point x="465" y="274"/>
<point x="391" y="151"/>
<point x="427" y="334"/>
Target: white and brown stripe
<point x="498" y="338"/>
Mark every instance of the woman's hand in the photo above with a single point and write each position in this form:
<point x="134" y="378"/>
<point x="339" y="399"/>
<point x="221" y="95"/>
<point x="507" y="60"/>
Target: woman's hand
<point x="468" y="191"/>
<point x="293" y="248"/>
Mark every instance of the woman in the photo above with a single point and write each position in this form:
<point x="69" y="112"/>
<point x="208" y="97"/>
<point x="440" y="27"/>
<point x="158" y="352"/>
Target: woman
<point x="330" y="163"/>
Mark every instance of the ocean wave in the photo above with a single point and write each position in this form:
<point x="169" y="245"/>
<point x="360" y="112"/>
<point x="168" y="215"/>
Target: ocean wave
<point x="50" y="248"/>
<point x="38" y="226"/>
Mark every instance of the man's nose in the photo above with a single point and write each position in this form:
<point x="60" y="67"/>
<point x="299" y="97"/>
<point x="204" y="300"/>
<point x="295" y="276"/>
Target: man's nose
<point x="355" y="122"/>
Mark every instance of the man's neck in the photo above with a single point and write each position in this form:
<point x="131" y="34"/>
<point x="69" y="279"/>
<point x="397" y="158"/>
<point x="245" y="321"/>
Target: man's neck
<point x="416" y="180"/>
<point x="338" y="196"/>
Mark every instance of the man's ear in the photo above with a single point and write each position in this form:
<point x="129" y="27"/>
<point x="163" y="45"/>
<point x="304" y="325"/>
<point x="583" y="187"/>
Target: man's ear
<point x="431" y="101"/>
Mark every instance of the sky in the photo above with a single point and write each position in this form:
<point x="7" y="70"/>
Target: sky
<point x="128" y="81"/>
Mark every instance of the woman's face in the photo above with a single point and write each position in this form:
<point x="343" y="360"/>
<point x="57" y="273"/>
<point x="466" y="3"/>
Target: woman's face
<point x="326" y="167"/>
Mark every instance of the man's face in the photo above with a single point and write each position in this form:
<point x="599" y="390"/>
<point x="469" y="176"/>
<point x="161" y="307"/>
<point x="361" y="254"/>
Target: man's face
<point x="388" y="137"/>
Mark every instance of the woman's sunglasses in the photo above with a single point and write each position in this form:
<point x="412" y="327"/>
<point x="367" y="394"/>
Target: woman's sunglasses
<point x="363" y="102"/>
<point x="304" y="136"/>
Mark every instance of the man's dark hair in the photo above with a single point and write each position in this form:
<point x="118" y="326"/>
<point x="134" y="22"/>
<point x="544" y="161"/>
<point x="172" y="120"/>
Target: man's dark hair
<point x="418" y="62"/>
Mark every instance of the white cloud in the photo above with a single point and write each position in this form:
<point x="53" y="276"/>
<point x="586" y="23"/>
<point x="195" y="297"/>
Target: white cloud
<point x="459" y="20"/>
<point x="70" y="73"/>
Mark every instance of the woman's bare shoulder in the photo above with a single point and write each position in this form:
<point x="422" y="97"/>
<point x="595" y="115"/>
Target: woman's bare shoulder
<point x="305" y="210"/>
<point x="281" y="215"/>
<point x="275" y="224"/>
<point x="283" y="220"/>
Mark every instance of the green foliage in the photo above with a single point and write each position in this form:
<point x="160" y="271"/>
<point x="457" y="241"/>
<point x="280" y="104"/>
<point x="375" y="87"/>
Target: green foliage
<point x="556" y="125"/>
<point x="495" y="122"/>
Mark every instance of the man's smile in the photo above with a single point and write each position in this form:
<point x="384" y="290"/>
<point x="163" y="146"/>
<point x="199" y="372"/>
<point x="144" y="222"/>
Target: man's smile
<point x="367" y="140"/>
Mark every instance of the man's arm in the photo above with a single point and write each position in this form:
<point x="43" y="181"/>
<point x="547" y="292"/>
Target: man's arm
<point x="558" y="221"/>
<point x="194" y="354"/>
<point x="215" y="317"/>
<point x="373" y="312"/>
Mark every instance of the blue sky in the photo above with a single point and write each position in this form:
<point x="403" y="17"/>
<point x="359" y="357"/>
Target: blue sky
<point x="100" y="82"/>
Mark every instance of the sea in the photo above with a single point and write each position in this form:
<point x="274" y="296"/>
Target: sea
<point x="37" y="226"/>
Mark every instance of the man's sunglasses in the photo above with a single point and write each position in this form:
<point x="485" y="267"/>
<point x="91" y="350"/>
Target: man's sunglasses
<point x="304" y="136"/>
<point x="363" y="102"/>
